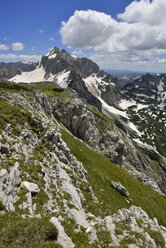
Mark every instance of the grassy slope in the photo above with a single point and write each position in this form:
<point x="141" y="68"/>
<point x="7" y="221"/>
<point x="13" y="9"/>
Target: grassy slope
<point x="101" y="171"/>
<point x="17" y="232"/>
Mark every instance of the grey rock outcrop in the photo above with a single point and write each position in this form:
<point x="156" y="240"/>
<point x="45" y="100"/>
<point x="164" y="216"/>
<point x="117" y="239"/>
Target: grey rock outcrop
<point x="9" y="70"/>
<point x="74" y="115"/>
<point x="120" y="188"/>
<point x="113" y="147"/>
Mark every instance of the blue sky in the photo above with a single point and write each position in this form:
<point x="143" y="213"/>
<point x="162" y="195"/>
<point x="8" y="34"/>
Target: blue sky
<point x="115" y="34"/>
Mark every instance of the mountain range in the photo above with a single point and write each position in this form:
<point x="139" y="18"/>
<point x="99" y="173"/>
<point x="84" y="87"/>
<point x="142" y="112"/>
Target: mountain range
<point x="82" y="157"/>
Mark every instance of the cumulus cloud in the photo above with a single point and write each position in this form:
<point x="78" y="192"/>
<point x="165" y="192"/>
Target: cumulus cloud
<point x="4" y="47"/>
<point x="22" y="57"/>
<point x="86" y="29"/>
<point x="92" y="29"/>
<point x="152" y="13"/>
<point x="140" y="30"/>
<point x="17" y="46"/>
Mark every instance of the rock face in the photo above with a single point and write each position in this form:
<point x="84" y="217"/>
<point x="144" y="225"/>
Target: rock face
<point x="57" y="61"/>
<point x="7" y="72"/>
<point x="74" y="115"/>
<point x="76" y="83"/>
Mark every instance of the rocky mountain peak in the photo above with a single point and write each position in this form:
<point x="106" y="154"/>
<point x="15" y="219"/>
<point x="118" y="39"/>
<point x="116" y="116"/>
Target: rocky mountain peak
<point x="62" y="60"/>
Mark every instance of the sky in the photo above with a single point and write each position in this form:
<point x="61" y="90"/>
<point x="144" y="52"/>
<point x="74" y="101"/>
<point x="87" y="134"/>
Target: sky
<point x="116" y="34"/>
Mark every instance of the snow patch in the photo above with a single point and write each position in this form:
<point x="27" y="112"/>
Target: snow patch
<point x="52" y="56"/>
<point x="134" y="128"/>
<point x="124" y="104"/>
<point x="62" y="79"/>
<point x="111" y="109"/>
<point x="37" y="75"/>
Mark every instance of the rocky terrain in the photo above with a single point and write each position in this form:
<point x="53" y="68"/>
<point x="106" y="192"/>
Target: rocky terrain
<point x="66" y="165"/>
<point x="82" y="155"/>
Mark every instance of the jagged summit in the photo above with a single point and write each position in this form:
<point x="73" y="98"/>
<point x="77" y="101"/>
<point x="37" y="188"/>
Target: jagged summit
<point x="80" y="74"/>
<point x="56" y="61"/>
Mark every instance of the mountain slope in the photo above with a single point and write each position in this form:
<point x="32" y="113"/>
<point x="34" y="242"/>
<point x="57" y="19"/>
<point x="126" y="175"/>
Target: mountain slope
<point x="145" y="102"/>
<point x="47" y="174"/>
<point x="102" y="90"/>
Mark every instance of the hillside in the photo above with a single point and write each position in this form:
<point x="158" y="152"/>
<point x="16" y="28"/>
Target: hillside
<point x="83" y="155"/>
<point x="59" y="161"/>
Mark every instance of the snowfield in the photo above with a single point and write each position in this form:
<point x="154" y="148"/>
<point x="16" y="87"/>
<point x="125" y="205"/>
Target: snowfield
<point x="39" y="75"/>
<point x="36" y="75"/>
<point x="124" y="104"/>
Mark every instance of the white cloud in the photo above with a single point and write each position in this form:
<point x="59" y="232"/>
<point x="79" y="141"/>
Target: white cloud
<point x="91" y="29"/>
<point x="4" y="47"/>
<point x="140" y="33"/>
<point x="78" y="53"/>
<point x="145" y="11"/>
<point x="22" y="57"/>
<point x="52" y="39"/>
<point x="86" y="29"/>
<point x="17" y="46"/>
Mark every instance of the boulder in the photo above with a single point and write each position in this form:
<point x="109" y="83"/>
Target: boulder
<point x="120" y="188"/>
<point x="30" y="187"/>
